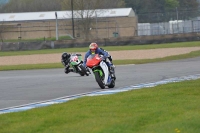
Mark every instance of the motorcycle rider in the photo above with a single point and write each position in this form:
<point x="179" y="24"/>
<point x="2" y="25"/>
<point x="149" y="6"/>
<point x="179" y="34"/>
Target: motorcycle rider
<point x="65" y="60"/>
<point x="94" y="49"/>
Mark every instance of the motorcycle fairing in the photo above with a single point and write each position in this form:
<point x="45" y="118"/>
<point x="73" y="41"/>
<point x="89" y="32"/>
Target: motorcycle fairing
<point x="75" y="60"/>
<point x="105" y="70"/>
<point x="93" y="60"/>
<point x="96" y="64"/>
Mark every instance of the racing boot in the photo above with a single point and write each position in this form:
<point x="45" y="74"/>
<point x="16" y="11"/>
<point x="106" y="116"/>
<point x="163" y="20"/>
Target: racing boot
<point x="68" y="70"/>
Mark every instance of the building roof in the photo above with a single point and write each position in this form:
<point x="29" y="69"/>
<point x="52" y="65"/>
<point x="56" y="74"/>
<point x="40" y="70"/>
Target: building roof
<point x="40" y="16"/>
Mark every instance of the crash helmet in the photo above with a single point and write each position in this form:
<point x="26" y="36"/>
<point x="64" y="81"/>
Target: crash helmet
<point x="93" y="46"/>
<point x="65" y="56"/>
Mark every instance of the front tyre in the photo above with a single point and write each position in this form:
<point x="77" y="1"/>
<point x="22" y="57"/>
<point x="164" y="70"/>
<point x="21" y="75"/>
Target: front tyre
<point x="84" y="71"/>
<point x="99" y="80"/>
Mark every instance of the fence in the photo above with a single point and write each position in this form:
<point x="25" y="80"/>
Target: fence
<point x="171" y="27"/>
<point x="99" y="28"/>
<point x="104" y="29"/>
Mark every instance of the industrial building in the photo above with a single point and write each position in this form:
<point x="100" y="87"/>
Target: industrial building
<point x="103" y="23"/>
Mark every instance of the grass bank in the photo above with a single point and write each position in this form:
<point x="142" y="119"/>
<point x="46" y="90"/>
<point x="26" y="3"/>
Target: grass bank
<point x="170" y="108"/>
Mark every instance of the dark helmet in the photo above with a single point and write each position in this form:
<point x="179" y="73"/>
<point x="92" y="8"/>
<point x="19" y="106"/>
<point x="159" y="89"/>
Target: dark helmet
<point x="65" y="56"/>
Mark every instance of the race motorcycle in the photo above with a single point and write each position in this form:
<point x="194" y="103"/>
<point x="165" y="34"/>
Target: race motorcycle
<point x="77" y="64"/>
<point x="100" y="71"/>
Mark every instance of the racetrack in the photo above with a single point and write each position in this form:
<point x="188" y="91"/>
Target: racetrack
<point x="29" y="86"/>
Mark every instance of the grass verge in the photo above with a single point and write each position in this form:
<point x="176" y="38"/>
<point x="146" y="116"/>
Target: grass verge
<point x="166" y="108"/>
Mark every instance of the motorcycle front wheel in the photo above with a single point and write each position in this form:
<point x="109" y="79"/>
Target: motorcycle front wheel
<point x="99" y="80"/>
<point x="84" y="71"/>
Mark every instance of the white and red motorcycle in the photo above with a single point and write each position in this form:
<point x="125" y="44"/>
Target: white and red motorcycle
<point x="98" y="67"/>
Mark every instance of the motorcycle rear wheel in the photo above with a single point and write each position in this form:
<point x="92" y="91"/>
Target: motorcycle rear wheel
<point x="99" y="80"/>
<point x="82" y="74"/>
<point x="112" y="84"/>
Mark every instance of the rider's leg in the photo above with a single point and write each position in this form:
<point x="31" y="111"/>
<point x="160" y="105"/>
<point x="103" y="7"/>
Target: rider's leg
<point x="68" y="70"/>
<point x="111" y="66"/>
<point x="111" y="69"/>
<point x="109" y="63"/>
<point x="110" y="59"/>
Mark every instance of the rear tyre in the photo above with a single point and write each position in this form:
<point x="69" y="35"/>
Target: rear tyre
<point x="82" y="74"/>
<point x="99" y="80"/>
<point x="112" y="84"/>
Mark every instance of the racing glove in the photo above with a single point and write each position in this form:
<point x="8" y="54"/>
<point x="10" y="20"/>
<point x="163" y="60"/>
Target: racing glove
<point x="103" y="58"/>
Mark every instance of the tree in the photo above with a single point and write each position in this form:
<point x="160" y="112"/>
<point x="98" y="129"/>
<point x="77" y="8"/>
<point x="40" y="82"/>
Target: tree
<point x="188" y="9"/>
<point x="163" y="10"/>
<point x="51" y="5"/>
<point x="171" y="4"/>
<point x="85" y="10"/>
<point x="2" y="4"/>
<point x="92" y="4"/>
<point x="31" y="6"/>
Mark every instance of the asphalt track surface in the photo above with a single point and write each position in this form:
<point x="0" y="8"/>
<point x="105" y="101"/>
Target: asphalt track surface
<point x="30" y="86"/>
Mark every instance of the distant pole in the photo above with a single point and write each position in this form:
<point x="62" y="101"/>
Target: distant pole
<point x="177" y="18"/>
<point x="56" y="26"/>
<point x="96" y="24"/>
<point x="72" y="8"/>
<point x="177" y="14"/>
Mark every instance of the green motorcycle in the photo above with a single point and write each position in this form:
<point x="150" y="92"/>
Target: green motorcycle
<point x="77" y="64"/>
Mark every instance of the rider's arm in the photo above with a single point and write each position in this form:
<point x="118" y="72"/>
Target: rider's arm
<point x="102" y="52"/>
<point x="78" y="54"/>
<point x="85" y="59"/>
<point x="64" y="63"/>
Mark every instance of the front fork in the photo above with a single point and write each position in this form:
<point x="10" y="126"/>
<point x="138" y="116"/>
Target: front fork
<point x="92" y="70"/>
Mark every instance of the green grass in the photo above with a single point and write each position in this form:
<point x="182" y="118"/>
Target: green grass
<point x="166" y="108"/>
<point x="108" y="48"/>
<point x="116" y="62"/>
<point x="170" y="108"/>
<point x="31" y="66"/>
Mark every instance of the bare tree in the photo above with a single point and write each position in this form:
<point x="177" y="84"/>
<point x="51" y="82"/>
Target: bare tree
<point x="86" y="10"/>
<point x="100" y="4"/>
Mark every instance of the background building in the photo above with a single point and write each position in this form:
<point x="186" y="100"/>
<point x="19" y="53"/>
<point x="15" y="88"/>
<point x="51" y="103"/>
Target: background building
<point x="104" y="23"/>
